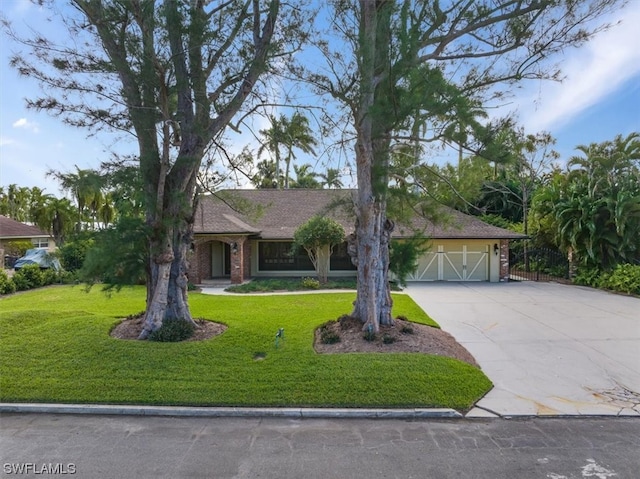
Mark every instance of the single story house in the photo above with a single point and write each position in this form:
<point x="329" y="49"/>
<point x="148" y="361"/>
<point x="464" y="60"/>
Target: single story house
<point x="244" y="234"/>
<point x="12" y="230"/>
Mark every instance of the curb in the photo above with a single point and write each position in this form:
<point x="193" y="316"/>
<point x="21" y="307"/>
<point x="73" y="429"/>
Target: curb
<point x="295" y="413"/>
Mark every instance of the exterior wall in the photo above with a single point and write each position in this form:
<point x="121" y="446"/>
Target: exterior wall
<point x="51" y="244"/>
<point x="255" y="272"/>
<point x="248" y="252"/>
<point x="200" y="262"/>
<point x="244" y="261"/>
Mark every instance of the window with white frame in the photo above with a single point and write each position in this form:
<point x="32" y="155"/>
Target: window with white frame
<point x="40" y="242"/>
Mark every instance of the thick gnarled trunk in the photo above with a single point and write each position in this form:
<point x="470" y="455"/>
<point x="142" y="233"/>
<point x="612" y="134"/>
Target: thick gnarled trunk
<point x="373" y="123"/>
<point x="168" y="284"/>
<point x="370" y="253"/>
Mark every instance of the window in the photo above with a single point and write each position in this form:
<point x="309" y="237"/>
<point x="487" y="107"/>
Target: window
<point x="277" y="256"/>
<point x="340" y="259"/>
<point x="40" y="242"/>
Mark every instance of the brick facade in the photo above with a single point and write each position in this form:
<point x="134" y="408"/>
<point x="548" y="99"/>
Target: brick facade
<point x="200" y="263"/>
<point x="504" y="260"/>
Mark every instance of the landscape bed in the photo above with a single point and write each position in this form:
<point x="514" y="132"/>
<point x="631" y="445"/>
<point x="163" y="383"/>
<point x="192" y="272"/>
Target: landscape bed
<point x="56" y="347"/>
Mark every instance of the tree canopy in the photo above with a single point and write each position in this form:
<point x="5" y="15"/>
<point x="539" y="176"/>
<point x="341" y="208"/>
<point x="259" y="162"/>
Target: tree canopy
<point x="593" y="207"/>
<point x="174" y="75"/>
<point x="318" y="236"/>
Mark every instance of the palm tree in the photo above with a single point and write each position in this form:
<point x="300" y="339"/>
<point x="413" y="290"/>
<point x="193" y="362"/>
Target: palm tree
<point x="331" y="179"/>
<point x="55" y="216"/>
<point x="273" y="139"/>
<point x="305" y="177"/>
<point x="297" y="134"/>
<point x="293" y="133"/>
<point x="15" y="202"/>
<point x="106" y="212"/>
<point x="597" y="207"/>
<point x="86" y="188"/>
<point x="266" y="175"/>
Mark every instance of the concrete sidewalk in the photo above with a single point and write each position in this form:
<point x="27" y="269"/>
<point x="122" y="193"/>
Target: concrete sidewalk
<point x="550" y="349"/>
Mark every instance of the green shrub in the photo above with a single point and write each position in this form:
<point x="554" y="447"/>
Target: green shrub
<point x="17" y="248"/>
<point x="310" y="283"/>
<point x="369" y="334"/>
<point x="327" y="336"/>
<point x="624" y="278"/>
<point x="73" y="253"/>
<point x="406" y="329"/>
<point x="7" y="286"/>
<point x="50" y="276"/>
<point x="388" y="339"/>
<point x="588" y="277"/>
<point x="68" y="277"/>
<point x="173" y="330"/>
<point x="29" y="277"/>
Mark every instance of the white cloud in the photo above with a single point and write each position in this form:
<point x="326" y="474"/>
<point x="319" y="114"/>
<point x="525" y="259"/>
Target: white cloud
<point x="27" y="125"/>
<point x="591" y="73"/>
<point x="4" y="141"/>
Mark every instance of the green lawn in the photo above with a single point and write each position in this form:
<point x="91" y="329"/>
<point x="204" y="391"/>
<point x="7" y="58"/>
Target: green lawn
<point x="55" y="347"/>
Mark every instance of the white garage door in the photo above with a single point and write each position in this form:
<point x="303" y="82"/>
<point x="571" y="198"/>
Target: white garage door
<point x="455" y="262"/>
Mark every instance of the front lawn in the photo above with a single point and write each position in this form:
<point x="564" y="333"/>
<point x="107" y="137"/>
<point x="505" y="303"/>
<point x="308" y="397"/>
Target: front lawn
<point x="55" y="347"/>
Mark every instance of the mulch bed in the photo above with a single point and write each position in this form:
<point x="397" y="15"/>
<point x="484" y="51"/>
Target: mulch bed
<point x="131" y="328"/>
<point x="403" y="337"/>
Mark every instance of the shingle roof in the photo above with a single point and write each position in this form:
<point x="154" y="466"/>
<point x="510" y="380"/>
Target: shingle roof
<point x="276" y="214"/>
<point x="10" y="228"/>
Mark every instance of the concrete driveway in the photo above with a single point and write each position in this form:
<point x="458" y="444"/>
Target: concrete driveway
<point x="550" y="349"/>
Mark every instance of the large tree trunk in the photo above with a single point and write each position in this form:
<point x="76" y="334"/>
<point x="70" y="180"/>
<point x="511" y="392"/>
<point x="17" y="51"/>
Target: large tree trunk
<point x="373" y="231"/>
<point x="173" y="227"/>
<point x="373" y="123"/>
<point x="168" y="284"/>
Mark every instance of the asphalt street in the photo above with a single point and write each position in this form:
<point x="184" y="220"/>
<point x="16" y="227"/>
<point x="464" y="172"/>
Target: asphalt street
<point x="37" y="445"/>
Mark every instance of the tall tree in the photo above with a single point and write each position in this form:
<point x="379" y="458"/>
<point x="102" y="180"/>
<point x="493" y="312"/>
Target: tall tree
<point x="57" y="216"/>
<point x="174" y="74"/>
<point x="421" y="66"/>
<point x="290" y="133"/>
<point x="15" y="202"/>
<point x="273" y="139"/>
<point x="331" y="179"/>
<point x="509" y="193"/>
<point x="305" y="177"/>
<point x="85" y="186"/>
<point x="265" y="177"/>
<point x="297" y="135"/>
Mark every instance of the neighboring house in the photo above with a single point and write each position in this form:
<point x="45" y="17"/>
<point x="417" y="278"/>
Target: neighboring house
<point x="12" y="230"/>
<point x="248" y="234"/>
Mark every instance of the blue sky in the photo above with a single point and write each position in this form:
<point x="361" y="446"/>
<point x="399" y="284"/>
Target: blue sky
<point x="598" y="99"/>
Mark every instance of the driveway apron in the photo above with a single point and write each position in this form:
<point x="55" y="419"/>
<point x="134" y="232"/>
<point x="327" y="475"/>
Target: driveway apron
<point x="550" y="349"/>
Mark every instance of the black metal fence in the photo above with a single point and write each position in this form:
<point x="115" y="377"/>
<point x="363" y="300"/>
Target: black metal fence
<point x="537" y="264"/>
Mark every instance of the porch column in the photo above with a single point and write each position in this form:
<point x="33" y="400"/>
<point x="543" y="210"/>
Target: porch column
<point x="200" y="261"/>
<point x="238" y="257"/>
<point x="504" y="260"/>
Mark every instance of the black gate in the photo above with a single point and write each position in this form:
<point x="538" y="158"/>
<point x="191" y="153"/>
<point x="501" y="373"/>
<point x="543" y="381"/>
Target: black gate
<point x="540" y="264"/>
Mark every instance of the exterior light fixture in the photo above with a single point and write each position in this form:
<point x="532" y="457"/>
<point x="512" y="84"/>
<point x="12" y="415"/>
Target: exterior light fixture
<point x="496" y="249"/>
